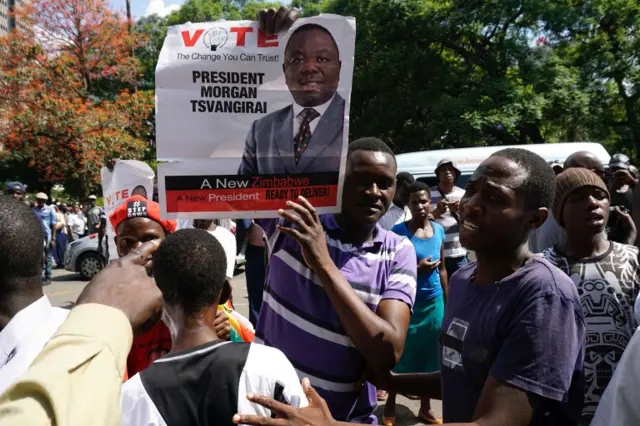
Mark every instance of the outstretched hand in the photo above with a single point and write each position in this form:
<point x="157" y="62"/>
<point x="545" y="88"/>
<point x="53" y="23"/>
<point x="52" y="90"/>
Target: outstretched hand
<point x="625" y="177"/>
<point x="222" y="325"/>
<point x="309" y="232"/>
<point x="272" y="21"/>
<point x="125" y="284"/>
<point x="316" y="414"/>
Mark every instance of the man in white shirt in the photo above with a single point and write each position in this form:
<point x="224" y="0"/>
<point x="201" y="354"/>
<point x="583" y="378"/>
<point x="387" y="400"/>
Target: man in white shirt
<point x="306" y="137"/>
<point x="76" y="223"/>
<point x="226" y="239"/>
<point x="398" y="211"/>
<point x="27" y="319"/>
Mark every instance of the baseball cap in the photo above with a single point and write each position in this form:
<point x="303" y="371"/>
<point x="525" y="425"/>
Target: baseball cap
<point x="42" y="196"/>
<point x="619" y="161"/>
<point x="448" y="162"/>
<point x="15" y="187"/>
<point x="138" y="206"/>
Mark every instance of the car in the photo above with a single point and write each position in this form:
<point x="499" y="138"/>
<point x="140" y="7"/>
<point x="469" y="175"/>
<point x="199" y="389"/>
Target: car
<point x="82" y="256"/>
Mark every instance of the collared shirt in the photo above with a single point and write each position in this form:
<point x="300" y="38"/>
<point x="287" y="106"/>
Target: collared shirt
<point x="394" y="216"/>
<point x="320" y="109"/>
<point x="48" y="218"/>
<point x="25" y="336"/>
<point x="298" y="317"/>
<point x="76" y="379"/>
<point x="452" y="246"/>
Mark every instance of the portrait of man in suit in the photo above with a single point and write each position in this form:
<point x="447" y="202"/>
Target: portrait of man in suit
<point x="306" y="136"/>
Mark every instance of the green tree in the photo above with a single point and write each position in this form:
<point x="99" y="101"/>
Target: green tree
<point x="432" y="74"/>
<point x="155" y="28"/>
<point x="437" y="74"/>
<point x="602" y="37"/>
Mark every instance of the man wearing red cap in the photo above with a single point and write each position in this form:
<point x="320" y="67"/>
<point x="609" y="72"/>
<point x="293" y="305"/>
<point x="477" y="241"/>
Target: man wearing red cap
<point x="135" y="222"/>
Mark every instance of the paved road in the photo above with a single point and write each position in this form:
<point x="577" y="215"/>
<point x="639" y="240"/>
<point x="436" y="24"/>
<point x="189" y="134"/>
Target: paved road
<point x="66" y="287"/>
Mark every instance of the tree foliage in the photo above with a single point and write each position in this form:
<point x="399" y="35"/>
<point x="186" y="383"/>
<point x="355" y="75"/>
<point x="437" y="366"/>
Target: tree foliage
<point x="155" y="27"/>
<point x="429" y="74"/>
<point x="67" y="93"/>
<point x="433" y="74"/>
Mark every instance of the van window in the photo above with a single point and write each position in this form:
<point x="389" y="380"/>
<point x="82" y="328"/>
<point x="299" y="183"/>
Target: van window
<point x="432" y="181"/>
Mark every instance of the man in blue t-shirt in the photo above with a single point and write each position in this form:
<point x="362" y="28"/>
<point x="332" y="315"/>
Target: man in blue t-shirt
<point x="513" y="335"/>
<point x="48" y="218"/>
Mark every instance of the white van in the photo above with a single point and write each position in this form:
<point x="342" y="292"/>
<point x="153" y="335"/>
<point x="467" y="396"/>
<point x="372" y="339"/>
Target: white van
<point x="422" y="165"/>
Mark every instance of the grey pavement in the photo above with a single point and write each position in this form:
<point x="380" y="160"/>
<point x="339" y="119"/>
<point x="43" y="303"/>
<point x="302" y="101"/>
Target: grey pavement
<point x="66" y="287"/>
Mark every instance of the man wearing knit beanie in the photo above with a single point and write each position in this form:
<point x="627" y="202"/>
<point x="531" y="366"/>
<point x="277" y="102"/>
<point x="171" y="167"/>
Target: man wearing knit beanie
<point x="550" y="233"/>
<point x="577" y="179"/>
<point x="605" y="273"/>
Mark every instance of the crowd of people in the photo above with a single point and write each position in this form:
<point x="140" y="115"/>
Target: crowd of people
<point x="513" y="298"/>
<point x="61" y="223"/>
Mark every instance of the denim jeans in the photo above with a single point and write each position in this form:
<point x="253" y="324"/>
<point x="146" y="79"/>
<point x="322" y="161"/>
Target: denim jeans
<point x="452" y="264"/>
<point x="48" y="261"/>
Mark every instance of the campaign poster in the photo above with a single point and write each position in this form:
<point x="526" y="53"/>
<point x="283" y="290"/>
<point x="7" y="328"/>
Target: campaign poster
<point x="128" y="178"/>
<point x="246" y="122"/>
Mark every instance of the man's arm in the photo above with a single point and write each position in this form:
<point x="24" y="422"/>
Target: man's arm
<point x="102" y="230"/>
<point x="444" y="277"/>
<point x="84" y="360"/>
<point x="76" y="379"/>
<point x="628" y="226"/>
<point x="53" y="226"/>
<point x="538" y="361"/>
<point x="379" y="336"/>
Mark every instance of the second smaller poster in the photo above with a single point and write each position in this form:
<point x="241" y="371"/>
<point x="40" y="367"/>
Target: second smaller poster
<point x="245" y="121"/>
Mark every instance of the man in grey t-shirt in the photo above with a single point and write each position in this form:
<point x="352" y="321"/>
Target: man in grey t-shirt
<point x="93" y="216"/>
<point x="445" y="201"/>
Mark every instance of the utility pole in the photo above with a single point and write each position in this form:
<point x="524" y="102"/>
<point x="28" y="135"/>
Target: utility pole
<point x="129" y="15"/>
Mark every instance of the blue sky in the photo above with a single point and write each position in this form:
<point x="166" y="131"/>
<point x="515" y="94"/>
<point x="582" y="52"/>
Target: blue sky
<point x="140" y="8"/>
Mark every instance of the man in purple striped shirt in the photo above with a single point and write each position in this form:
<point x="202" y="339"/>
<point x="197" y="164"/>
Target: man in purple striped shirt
<point x="339" y="288"/>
